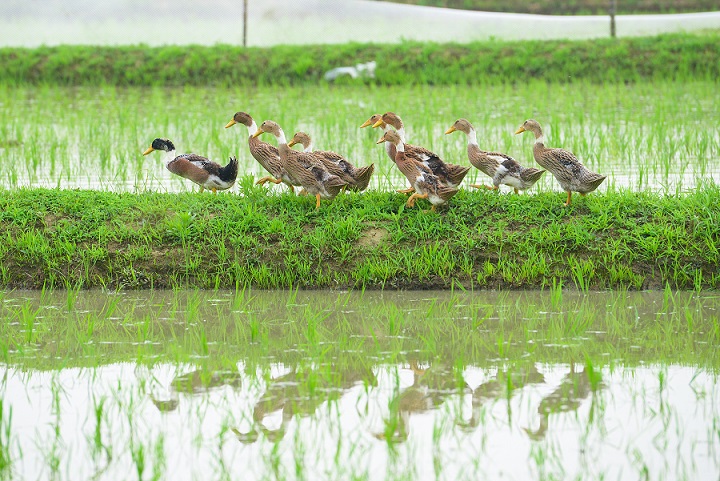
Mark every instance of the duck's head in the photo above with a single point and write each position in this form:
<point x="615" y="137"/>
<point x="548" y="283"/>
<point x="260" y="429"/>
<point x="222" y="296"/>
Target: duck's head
<point x="240" y="118"/>
<point x="372" y="120"/>
<point x="391" y="136"/>
<point x="160" y="144"/>
<point x="300" y="138"/>
<point x="390" y="118"/>
<point x="462" y="125"/>
<point x="270" y="127"/>
<point x="532" y="126"/>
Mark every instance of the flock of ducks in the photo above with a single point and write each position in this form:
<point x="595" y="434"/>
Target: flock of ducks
<point x="324" y="174"/>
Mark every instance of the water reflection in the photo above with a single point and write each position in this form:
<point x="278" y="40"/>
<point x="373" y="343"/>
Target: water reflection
<point x="573" y="389"/>
<point x="195" y="382"/>
<point x="414" y="385"/>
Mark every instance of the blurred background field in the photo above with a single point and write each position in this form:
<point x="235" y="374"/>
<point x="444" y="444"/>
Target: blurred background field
<point x="275" y="22"/>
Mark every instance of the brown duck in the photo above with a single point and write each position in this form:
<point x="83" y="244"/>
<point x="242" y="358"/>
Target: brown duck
<point x="502" y="168"/>
<point x="356" y="178"/>
<point x="303" y="168"/>
<point x="204" y="172"/>
<point x="426" y="184"/>
<point x="267" y="155"/>
<point x="567" y="169"/>
<point x="449" y="174"/>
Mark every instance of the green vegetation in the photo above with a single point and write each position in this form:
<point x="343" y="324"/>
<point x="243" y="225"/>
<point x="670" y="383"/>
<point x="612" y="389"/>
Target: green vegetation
<point x="650" y="136"/>
<point x="289" y="384"/>
<point x="618" y="239"/>
<point x="572" y="7"/>
<point x="679" y="57"/>
<point x="89" y="328"/>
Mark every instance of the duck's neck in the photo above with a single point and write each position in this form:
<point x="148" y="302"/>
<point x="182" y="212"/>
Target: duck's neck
<point x="472" y="137"/>
<point x="388" y="145"/>
<point x="281" y="137"/>
<point x="401" y="133"/>
<point x="539" y="137"/>
<point x="400" y="147"/>
<point x="308" y="147"/>
<point x="169" y="156"/>
<point x="252" y="128"/>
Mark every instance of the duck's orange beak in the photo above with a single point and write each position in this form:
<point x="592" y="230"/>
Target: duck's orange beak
<point x="149" y="149"/>
<point x="291" y="143"/>
<point x="520" y="130"/>
<point x="366" y="123"/>
<point x="450" y="130"/>
<point x="230" y="124"/>
<point x="258" y="133"/>
<point x="382" y="139"/>
<point x="378" y="124"/>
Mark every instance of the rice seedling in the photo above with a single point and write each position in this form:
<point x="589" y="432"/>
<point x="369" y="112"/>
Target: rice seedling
<point x="648" y="140"/>
<point x="360" y="384"/>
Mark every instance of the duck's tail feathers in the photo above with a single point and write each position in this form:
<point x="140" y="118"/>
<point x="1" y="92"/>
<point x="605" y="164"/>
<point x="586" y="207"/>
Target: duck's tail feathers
<point x="362" y="177"/>
<point x="334" y="184"/>
<point x="456" y="173"/>
<point x="532" y="175"/>
<point x="230" y="171"/>
<point x="594" y="182"/>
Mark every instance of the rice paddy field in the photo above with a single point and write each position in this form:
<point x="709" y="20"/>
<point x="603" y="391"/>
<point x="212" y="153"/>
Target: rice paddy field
<point x="653" y="136"/>
<point x="129" y="381"/>
<point x="188" y="385"/>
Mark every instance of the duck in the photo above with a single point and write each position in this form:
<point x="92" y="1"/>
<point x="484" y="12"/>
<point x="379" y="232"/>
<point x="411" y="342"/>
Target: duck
<point x="502" y="168"/>
<point x="266" y="154"/>
<point x="377" y="119"/>
<point x="449" y="174"/>
<point x="356" y="178"/>
<point x="426" y="184"/>
<point x="572" y="175"/>
<point x="205" y="173"/>
<point x="303" y="168"/>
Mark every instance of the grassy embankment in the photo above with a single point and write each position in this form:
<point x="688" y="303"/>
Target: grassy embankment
<point x="572" y="7"/>
<point x="617" y="239"/>
<point x="672" y="57"/>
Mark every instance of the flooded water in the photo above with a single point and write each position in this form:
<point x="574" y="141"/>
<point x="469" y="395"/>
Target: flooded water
<point x="643" y="137"/>
<point x="381" y="385"/>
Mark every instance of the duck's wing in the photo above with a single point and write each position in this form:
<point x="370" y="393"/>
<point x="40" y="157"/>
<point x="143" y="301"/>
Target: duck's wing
<point x="427" y="157"/>
<point x="268" y="156"/>
<point x="511" y="165"/>
<point x="565" y="158"/>
<point x="212" y="168"/>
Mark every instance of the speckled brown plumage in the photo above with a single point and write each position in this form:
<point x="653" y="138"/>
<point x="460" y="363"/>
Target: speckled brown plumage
<point x="426" y="184"/>
<point x="356" y="178"/>
<point x="266" y="154"/>
<point x="303" y="167"/>
<point x="502" y="168"/>
<point x="572" y="175"/>
<point x="449" y="174"/>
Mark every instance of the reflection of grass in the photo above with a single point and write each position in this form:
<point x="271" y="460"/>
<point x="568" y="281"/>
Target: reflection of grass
<point x="463" y="329"/>
<point x="263" y="240"/>
<point x="299" y="357"/>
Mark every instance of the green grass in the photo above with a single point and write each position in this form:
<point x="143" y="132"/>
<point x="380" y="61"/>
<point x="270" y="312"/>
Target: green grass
<point x="369" y="240"/>
<point x="572" y="7"/>
<point x="648" y="136"/>
<point x="677" y="56"/>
